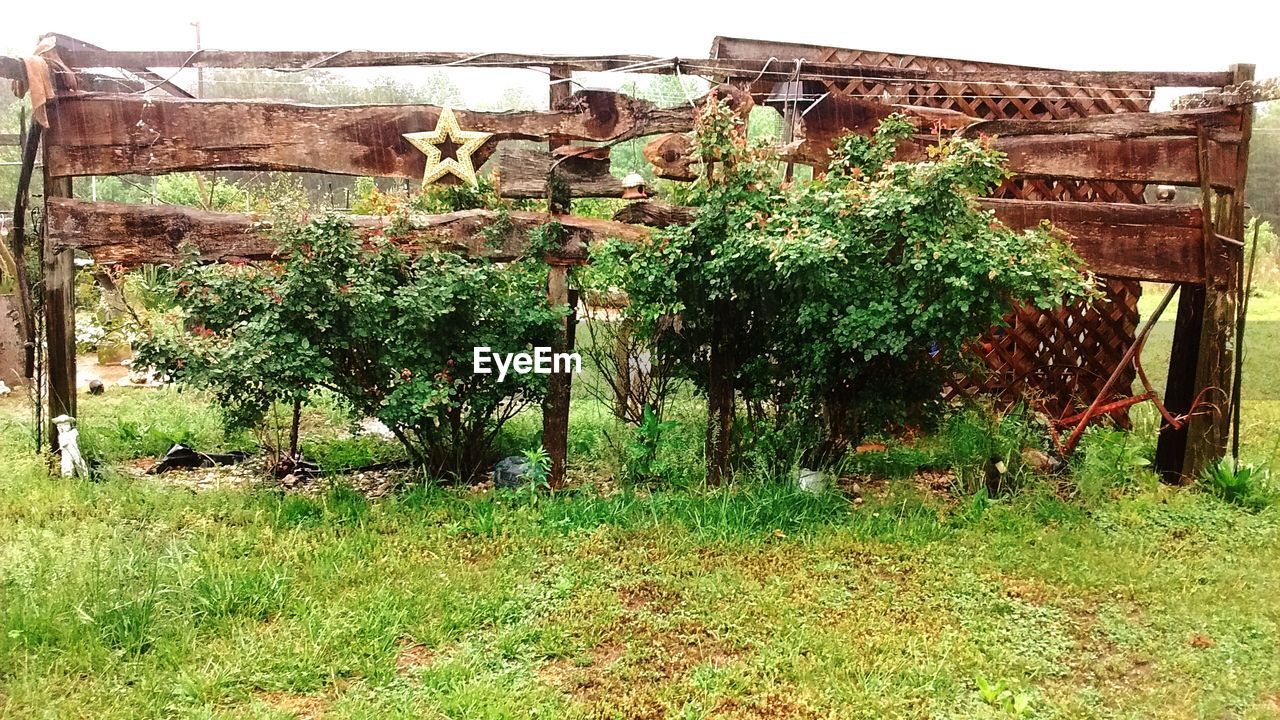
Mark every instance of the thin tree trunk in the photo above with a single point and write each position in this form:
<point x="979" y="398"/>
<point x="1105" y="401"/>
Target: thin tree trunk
<point x="293" y="430"/>
<point x="720" y="406"/>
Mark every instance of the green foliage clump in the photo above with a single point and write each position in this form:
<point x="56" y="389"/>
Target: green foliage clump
<point x="843" y="301"/>
<point x="389" y="333"/>
<point x="1244" y="485"/>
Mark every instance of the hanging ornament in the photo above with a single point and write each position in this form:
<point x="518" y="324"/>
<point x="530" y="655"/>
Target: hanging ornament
<point x="448" y="149"/>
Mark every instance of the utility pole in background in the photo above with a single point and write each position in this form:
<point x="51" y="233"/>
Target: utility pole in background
<point x="199" y="70"/>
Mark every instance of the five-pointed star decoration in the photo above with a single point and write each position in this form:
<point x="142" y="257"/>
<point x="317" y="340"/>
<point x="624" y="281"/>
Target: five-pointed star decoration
<point x="448" y="149"/>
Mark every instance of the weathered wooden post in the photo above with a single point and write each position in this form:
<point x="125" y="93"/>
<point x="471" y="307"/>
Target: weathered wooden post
<point x="555" y="409"/>
<point x="59" y="311"/>
<point x="1201" y="360"/>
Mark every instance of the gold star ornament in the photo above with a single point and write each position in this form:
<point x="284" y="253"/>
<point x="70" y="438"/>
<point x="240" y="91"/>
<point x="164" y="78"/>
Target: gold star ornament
<point x="448" y="149"/>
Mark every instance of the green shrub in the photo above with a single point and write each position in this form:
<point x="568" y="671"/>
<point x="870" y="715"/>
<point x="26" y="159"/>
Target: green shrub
<point x="389" y="333"/>
<point x="845" y="300"/>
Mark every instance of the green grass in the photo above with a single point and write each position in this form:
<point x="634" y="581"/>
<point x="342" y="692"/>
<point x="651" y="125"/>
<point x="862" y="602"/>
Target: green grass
<point x="1098" y="593"/>
<point x="124" y="599"/>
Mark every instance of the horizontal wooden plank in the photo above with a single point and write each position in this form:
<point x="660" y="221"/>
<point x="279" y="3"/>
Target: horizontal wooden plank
<point x="1168" y="160"/>
<point x="132" y="235"/>
<point x="1143" y="242"/>
<point x="82" y="57"/>
<point x="1223" y="125"/>
<point x="759" y="67"/>
<point x="126" y="134"/>
<point x="1138" y="147"/>
<point x="522" y="173"/>
<point x="12" y="68"/>
<point x="786" y="53"/>
<point x="152" y="79"/>
<point x="1161" y="243"/>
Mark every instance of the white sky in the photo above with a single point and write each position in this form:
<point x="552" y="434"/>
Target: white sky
<point x="1075" y="34"/>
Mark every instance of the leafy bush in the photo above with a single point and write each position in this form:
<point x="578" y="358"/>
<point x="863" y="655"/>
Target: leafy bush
<point x="844" y="301"/>
<point x="1244" y="485"/>
<point x="391" y="334"/>
<point x="1108" y="459"/>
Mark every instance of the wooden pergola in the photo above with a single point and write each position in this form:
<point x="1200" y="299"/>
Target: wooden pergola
<point x="1083" y="148"/>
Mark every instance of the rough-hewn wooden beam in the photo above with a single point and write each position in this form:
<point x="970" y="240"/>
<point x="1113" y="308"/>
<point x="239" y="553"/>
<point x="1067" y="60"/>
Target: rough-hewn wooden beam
<point x="1244" y="93"/>
<point x="11" y="68"/>
<point x="1161" y="243"/>
<point x="1224" y="125"/>
<point x="522" y="173"/>
<point x="124" y="134"/>
<point x="785" y="54"/>
<point x="1160" y="159"/>
<point x="1142" y="242"/>
<point x="1137" y="147"/>
<point x="68" y="43"/>
<point x="655" y="214"/>
<point x="727" y="67"/>
<point x="131" y="235"/>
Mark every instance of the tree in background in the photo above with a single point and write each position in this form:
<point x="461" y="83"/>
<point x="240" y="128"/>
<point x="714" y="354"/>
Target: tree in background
<point x="1263" y="188"/>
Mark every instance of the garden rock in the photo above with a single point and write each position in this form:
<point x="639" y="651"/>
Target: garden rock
<point x="1038" y="460"/>
<point x="811" y="481"/>
<point x="183" y="457"/>
<point x="96" y="387"/>
<point x="511" y="471"/>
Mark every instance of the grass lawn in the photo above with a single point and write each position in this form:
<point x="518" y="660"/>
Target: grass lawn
<point x="1097" y="594"/>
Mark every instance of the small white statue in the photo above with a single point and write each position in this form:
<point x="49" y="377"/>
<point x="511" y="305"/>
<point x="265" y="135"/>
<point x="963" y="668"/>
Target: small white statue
<point x="813" y="482"/>
<point x="69" y="447"/>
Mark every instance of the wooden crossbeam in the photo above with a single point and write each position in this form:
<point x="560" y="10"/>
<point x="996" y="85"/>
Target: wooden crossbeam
<point x="1144" y="242"/>
<point x="1132" y="147"/>
<point x="785" y="54"/>
<point x="1161" y="243"/>
<point x="126" y="134"/>
<point x="757" y="69"/>
<point x="67" y="43"/>
<point x="1168" y="160"/>
<point x="1223" y="124"/>
<point x="130" y="235"/>
<point x="523" y="172"/>
<point x="1244" y="93"/>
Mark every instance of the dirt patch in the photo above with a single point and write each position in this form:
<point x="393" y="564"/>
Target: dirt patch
<point x="624" y="675"/>
<point x="412" y="657"/>
<point x="772" y="705"/>
<point x="648" y="595"/>
<point x="302" y="707"/>
<point x="1200" y="641"/>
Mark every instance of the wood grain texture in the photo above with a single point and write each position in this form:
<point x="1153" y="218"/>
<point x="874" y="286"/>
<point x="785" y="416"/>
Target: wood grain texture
<point x="522" y="173"/>
<point x="105" y="134"/>
<point x="1134" y="147"/>
<point x="1183" y="122"/>
<point x="1158" y="159"/>
<point x="131" y="235"/>
<point x="1138" y="242"/>
<point x="785" y="54"/>
<point x="724" y="66"/>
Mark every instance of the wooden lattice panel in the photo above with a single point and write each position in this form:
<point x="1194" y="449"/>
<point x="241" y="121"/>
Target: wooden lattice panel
<point x="1059" y="360"/>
